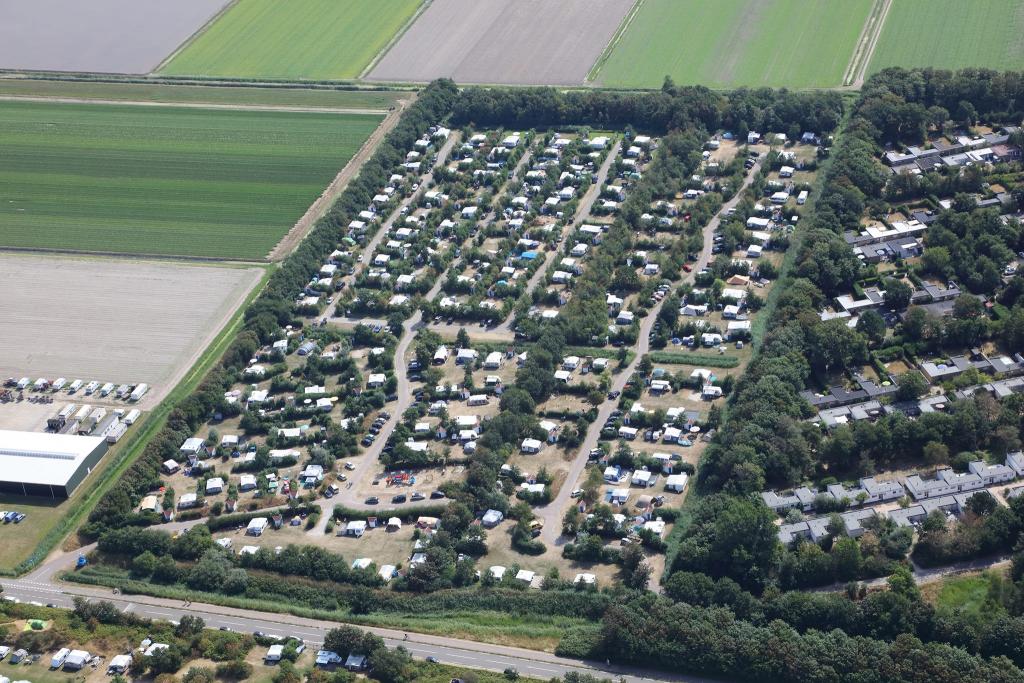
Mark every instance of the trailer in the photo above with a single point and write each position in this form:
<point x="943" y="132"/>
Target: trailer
<point x="58" y="384"/>
<point x="115" y="433"/>
<point x="71" y="427"/>
<point x="132" y="416"/>
<point x="83" y="412"/>
<point x="91" y="387"/>
<point x="75" y="386"/>
<point x="58" y="659"/>
<point x="139" y="392"/>
<point x="57" y="422"/>
<point x="23" y="382"/>
<point x="106" y="389"/>
<point x="124" y="390"/>
<point x="41" y="384"/>
<point x="98" y="414"/>
<point x="802" y="197"/>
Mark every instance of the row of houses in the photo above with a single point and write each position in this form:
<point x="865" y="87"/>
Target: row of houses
<point x="980" y="475"/>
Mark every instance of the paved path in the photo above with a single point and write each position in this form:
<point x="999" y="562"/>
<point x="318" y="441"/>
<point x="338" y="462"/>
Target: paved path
<point x="552" y="513"/>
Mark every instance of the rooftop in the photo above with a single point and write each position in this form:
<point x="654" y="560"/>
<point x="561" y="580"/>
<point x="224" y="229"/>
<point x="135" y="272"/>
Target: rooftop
<point x="43" y="458"/>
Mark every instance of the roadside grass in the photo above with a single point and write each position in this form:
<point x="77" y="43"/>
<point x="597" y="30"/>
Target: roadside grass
<point x="694" y="358"/>
<point x="990" y="35"/>
<point x="299" y="39"/>
<point x="163" y="180"/>
<point x="737" y="43"/>
<point x="202" y="94"/>
<point x="118" y="461"/>
<point x="535" y="632"/>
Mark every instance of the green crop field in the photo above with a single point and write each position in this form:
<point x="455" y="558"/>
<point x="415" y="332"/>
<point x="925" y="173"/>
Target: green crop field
<point x="164" y="180"/>
<point x="297" y="39"/>
<point x="730" y="43"/>
<point x="952" y="34"/>
<point x="202" y="94"/>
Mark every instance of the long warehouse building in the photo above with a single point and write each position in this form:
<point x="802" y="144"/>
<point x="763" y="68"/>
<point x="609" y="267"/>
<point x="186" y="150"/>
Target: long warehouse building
<point x="48" y="465"/>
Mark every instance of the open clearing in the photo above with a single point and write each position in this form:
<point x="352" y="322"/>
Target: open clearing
<point x="106" y="36"/>
<point x="113" y="320"/>
<point x="737" y="43"/>
<point x="951" y="34"/>
<point x="203" y="94"/>
<point x="163" y="180"/>
<point x="298" y="39"/>
<point x="504" y="41"/>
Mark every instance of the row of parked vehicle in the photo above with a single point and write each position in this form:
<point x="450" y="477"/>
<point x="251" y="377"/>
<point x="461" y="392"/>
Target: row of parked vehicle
<point x="12" y="516"/>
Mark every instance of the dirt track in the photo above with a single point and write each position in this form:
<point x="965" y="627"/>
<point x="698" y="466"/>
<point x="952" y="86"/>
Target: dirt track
<point x="344" y="177"/>
<point x="504" y="41"/>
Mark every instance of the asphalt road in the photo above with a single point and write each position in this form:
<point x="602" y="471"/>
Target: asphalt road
<point x="40" y="587"/>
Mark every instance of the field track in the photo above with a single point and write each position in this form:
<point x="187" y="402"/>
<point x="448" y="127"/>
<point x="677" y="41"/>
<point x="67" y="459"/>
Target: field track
<point x="190" y="105"/>
<point x="344" y="177"/>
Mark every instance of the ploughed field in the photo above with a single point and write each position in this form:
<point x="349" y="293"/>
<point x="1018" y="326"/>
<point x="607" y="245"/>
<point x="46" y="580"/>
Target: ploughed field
<point x="729" y="43"/>
<point x="163" y="180"/>
<point x="297" y="39"/>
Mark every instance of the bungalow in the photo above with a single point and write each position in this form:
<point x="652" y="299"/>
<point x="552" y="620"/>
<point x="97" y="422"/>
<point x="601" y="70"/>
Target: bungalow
<point x="660" y="386"/>
<point x="676" y="482"/>
<point x="628" y="433"/>
<point x="694" y="310"/>
<point x="170" y="467"/>
<point x="214" y="486"/>
<point x="563" y="376"/>
<point x="625" y="318"/>
<point x="531" y="446"/>
<point x="710" y="339"/>
<point x="710" y="392"/>
<point x="613" y="474"/>
<point x="187" y="500"/>
<point x="246" y="482"/>
<point x="375" y="380"/>
<point x="478" y="400"/>
<point x="192" y="446"/>
<point x="643" y="478"/>
<point x="466" y="356"/>
<point x="493" y="360"/>
<point x="618" y="496"/>
<point x="440" y="355"/>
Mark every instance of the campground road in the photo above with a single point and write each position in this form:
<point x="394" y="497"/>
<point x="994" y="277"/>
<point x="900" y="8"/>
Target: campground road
<point x="551" y="514"/>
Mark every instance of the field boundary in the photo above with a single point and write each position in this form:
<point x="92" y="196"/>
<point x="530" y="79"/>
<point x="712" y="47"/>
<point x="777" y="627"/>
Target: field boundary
<point x="323" y="203"/>
<point x="195" y="35"/>
<point x="613" y="43"/>
<point x="154" y="421"/>
<point x="194" y="105"/>
<point x="866" y="44"/>
<point x="394" y="39"/>
<point x="133" y="256"/>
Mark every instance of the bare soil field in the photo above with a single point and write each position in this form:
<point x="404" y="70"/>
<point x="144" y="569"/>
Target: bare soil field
<point x="107" y="36"/>
<point x="504" y="41"/>
<point x="113" y="320"/>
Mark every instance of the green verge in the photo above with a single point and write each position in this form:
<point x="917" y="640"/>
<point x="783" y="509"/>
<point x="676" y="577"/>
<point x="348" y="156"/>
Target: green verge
<point x="686" y="358"/>
<point x="482" y="626"/>
<point x="133" y="448"/>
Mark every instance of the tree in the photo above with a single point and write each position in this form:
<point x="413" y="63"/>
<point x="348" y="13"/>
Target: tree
<point x="198" y="674"/>
<point x="901" y="582"/>
<point x="391" y="666"/>
<point x="144" y="564"/>
<point x="210" y="572"/>
<point x="981" y="503"/>
<point x="935" y="453"/>
<point x="462" y="338"/>
<point x="165" y="570"/>
<point x="911" y="384"/>
<point x="835" y="346"/>
<point x="165" y="661"/>
<point x="897" y="294"/>
<point x="189" y="625"/>
<point x="872" y="325"/>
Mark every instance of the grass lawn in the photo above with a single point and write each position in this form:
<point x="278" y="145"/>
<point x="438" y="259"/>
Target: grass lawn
<point x="737" y="42"/>
<point x="202" y="94"/>
<point x="19" y="540"/>
<point x="155" y="180"/>
<point x="971" y="594"/>
<point x="298" y="39"/>
<point x="948" y="34"/>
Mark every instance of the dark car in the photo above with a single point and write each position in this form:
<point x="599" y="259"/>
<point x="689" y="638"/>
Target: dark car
<point x="367" y="440"/>
<point x="417" y="496"/>
<point x="614" y="394"/>
<point x="400" y="498"/>
<point x="432" y="659"/>
<point x="436" y="495"/>
<point x="372" y="500"/>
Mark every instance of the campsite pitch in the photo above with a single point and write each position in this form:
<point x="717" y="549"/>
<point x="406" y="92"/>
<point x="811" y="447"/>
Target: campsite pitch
<point x="163" y="180"/>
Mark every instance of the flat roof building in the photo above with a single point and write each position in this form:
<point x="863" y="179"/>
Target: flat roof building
<point x="44" y="464"/>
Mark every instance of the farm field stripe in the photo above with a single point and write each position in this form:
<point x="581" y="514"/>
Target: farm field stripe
<point x="191" y="105"/>
<point x="990" y="34"/>
<point x="165" y="180"/>
<point x="298" y="39"/>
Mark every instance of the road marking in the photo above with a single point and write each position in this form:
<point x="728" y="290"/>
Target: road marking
<point x="128" y="607"/>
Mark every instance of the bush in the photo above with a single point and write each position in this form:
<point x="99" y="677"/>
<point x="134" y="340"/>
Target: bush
<point x="236" y="670"/>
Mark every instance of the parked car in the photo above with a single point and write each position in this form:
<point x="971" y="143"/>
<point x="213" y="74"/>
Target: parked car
<point x="436" y="495"/>
<point x="400" y="498"/>
<point x="372" y="500"/>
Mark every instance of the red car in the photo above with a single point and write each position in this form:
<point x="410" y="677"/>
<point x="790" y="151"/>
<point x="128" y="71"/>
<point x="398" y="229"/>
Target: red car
<point x="687" y="267"/>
